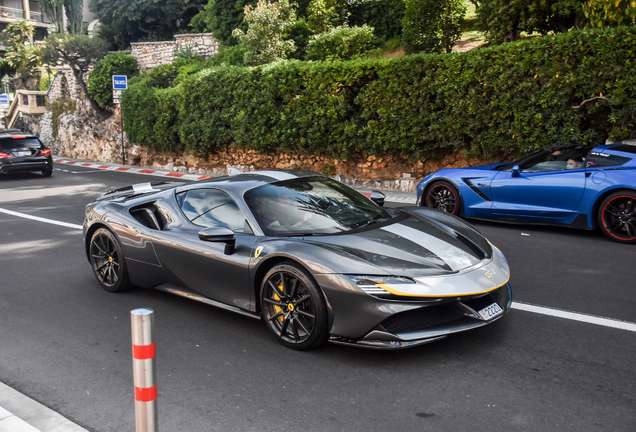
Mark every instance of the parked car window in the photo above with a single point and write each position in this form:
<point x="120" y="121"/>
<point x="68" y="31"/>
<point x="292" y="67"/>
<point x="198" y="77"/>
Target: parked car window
<point x="601" y="160"/>
<point x="10" y="143"/>
<point x="211" y="207"/>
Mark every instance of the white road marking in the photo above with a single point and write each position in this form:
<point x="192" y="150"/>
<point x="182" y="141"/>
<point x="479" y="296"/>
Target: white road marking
<point x="39" y="219"/>
<point x="590" y="319"/>
<point x="573" y="316"/>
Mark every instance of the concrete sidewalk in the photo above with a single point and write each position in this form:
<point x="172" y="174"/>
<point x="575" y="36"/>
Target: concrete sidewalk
<point x="19" y="413"/>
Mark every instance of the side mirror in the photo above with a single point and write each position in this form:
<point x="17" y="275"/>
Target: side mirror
<point x="219" y="235"/>
<point x="516" y="172"/>
<point x="378" y="197"/>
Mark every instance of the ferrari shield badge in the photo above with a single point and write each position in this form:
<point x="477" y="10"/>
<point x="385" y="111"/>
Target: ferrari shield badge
<point x="258" y="251"/>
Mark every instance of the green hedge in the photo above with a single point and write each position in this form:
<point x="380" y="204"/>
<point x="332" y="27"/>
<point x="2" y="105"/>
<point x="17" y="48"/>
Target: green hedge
<point x="100" y="84"/>
<point x="514" y="96"/>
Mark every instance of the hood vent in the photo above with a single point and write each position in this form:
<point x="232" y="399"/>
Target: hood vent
<point x="479" y="252"/>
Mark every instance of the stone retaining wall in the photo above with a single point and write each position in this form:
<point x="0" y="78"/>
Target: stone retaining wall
<point x="153" y="54"/>
<point x="63" y="86"/>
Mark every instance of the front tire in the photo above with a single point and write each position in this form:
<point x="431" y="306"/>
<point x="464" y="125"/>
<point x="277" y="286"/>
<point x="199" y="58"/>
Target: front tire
<point x="617" y="217"/>
<point x="108" y="262"/>
<point x="442" y="196"/>
<point x="293" y="307"/>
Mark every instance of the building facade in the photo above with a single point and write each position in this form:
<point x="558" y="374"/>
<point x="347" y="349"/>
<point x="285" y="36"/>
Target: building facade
<point x="13" y="10"/>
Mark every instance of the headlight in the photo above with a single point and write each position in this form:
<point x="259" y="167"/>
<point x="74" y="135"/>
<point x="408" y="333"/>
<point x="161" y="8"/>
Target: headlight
<point x="372" y="285"/>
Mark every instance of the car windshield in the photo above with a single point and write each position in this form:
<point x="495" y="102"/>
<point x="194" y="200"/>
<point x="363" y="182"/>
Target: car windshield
<point x="310" y="206"/>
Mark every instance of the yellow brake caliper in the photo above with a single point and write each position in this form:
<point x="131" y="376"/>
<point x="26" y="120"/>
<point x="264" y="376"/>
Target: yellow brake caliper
<point x="278" y="308"/>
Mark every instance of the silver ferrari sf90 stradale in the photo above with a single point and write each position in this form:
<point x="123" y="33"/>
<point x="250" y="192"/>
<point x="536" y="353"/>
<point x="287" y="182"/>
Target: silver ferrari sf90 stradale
<point x="314" y="259"/>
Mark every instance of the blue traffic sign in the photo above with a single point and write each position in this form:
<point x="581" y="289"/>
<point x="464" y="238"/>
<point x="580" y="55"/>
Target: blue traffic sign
<point x="4" y="98"/>
<point x="120" y="82"/>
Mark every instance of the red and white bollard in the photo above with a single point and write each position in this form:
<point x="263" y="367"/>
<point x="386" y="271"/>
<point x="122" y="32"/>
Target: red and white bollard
<point x="144" y="370"/>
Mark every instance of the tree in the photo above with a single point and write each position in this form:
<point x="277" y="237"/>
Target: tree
<point x="79" y="52"/>
<point x="100" y="87"/>
<point x="18" y="32"/>
<point x="54" y="9"/>
<point x="432" y="25"/>
<point x="264" y="38"/>
<point x="504" y="20"/>
<point x="322" y="15"/>
<point x="221" y="17"/>
<point x="126" y="21"/>
<point x="603" y="13"/>
<point x="22" y="56"/>
<point x="74" y="14"/>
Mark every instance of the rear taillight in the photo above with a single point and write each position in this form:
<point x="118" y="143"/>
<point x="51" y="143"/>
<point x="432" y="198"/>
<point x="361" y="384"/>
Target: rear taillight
<point x="4" y="155"/>
<point x="45" y="152"/>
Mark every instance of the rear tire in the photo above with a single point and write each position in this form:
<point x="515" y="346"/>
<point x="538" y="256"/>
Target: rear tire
<point x="617" y="217"/>
<point x="293" y="307"/>
<point x="442" y="196"/>
<point x="108" y="262"/>
<point x="47" y="172"/>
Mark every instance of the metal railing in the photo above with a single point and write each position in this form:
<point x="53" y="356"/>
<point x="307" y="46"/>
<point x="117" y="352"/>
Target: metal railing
<point x="7" y="12"/>
<point x="13" y="13"/>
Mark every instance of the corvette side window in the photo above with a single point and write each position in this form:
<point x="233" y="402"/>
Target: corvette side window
<point x="559" y="160"/>
<point x="602" y="160"/>
<point x="211" y="207"/>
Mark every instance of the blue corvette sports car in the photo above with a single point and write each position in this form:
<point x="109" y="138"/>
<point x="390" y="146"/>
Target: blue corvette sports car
<point x="575" y="185"/>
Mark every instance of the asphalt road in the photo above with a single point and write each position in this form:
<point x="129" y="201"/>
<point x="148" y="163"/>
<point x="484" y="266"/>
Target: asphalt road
<point x="67" y="344"/>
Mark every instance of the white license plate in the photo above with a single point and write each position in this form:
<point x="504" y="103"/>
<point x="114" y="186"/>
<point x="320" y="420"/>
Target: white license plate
<point x="490" y="312"/>
<point x="24" y="153"/>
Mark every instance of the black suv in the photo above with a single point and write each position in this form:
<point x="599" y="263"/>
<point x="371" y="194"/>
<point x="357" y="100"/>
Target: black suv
<point x="23" y="152"/>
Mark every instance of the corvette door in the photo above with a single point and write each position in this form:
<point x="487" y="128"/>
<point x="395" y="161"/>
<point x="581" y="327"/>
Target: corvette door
<point x="204" y="266"/>
<point x="547" y="189"/>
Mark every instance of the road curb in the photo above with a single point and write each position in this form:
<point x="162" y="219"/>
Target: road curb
<point x="406" y="198"/>
<point x="20" y="413"/>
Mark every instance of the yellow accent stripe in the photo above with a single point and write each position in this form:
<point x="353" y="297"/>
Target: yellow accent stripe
<point x="398" y="293"/>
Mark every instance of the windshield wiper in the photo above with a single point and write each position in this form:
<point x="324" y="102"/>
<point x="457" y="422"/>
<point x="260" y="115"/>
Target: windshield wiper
<point x="368" y="222"/>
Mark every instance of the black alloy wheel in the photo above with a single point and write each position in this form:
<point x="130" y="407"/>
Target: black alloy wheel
<point x="443" y="196"/>
<point x="108" y="261"/>
<point x="617" y="217"/>
<point x="293" y="307"/>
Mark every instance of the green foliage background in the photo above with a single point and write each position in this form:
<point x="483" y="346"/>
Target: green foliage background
<point x="100" y="86"/>
<point x="516" y="96"/>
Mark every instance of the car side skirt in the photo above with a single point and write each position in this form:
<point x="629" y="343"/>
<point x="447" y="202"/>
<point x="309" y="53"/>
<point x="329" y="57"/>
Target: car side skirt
<point x="202" y="299"/>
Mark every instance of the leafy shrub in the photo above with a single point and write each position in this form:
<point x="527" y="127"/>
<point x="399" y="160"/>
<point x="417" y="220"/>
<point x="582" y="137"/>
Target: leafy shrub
<point x="300" y="33"/>
<point x="341" y="43"/>
<point x="504" y="20"/>
<point x="432" y="25"/>
<point x="385" y="16"/>
<point x="264" y="40"/>
<point x="62" y="106"/>
<point x="100" y="82"/>
<point x="45" y="80"/>
<point x="228" y="55"/>
<point x="523" y="95"/>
